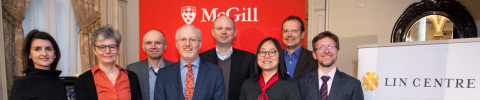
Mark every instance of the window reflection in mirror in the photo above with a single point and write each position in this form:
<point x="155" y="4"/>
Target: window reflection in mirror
<point x="432" y="27"/>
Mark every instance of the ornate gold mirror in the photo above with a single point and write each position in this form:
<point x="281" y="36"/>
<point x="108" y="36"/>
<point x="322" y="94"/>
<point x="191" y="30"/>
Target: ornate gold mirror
<point x="434" y="20"/>
<point x="432" y="27"/>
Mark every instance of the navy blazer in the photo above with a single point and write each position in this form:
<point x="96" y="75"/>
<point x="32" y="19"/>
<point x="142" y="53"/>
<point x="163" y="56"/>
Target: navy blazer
<point x="344" y="87"/>
<point x="208" y="86"/>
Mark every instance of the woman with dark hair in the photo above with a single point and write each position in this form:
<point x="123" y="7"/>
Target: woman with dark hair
<point x="40" y="55"/>
<point x="270" y="80"/>
<point x="107" y="81"/>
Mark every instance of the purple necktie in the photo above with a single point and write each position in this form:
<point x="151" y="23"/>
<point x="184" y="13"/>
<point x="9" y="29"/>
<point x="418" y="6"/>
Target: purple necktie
<point x="324" y="88"/>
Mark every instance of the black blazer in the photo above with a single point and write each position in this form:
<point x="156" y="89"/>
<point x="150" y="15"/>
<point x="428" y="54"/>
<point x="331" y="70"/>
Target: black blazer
<point x="242" y="67"/>
<point x="305" y="64"/>
<point x="280" y="90"/>
<point x="39" y="85"/>
<point x="344" y="87"/>
<point x="141" y="69"/>
<point x="85" y="87"/>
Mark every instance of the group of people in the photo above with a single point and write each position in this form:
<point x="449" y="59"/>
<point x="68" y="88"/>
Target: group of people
<point x="222" y="73"/>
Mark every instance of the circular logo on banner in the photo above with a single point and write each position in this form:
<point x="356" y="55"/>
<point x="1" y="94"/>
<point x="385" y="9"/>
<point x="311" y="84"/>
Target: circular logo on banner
<point x="369" y="80"/>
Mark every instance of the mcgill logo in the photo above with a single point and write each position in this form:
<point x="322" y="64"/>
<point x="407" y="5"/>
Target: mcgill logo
<point x="246" y="15"/>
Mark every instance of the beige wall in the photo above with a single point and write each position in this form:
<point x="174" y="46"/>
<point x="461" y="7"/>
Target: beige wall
<point x="375" y="19"/>
<point x="132" y="31"/>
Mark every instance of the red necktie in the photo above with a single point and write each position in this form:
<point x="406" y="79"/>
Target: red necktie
<point x="189" y="83"/>
<point x="324" y="88"/>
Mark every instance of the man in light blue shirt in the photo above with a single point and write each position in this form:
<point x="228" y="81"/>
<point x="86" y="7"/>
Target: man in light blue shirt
<point x="198" y="80"/>
<point x="153" y="44"/>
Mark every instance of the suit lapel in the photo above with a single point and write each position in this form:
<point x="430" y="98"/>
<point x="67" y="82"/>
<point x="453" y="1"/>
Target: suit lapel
<point x="302" y="60"/>
<point x="144" y="69"/>
<point x="212" y="54"/>
<point x="201" y="75"/>
<point x="337" y="83"/>
<point x="177" y="80"/>
<point x="314" y="91"/>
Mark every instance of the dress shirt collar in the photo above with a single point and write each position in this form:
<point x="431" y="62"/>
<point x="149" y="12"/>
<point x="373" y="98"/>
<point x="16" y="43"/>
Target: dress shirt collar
<point x="295" y="53"/>
<point x="331" y="74"/>
<point x="195" y="63"/>
<point x="151" y="67"/>
<point x="219" y="55"/>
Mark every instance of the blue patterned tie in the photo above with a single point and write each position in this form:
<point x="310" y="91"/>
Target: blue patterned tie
<point x="324" y="88"/>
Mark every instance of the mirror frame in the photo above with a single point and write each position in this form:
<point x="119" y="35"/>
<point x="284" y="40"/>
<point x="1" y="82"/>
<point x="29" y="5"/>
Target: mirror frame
<point x="453" y="10"/>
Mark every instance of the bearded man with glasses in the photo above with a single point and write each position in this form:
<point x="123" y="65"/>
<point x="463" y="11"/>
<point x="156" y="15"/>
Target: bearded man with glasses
<point x="327" y="83"/>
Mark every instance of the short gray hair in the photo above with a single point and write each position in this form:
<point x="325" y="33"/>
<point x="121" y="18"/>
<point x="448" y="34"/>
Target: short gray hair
<point x="198" y="31"/>
<point x="106" y="32"/>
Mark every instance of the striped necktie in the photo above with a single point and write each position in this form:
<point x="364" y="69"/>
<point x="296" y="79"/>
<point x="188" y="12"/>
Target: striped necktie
<point x="324" y="88"/>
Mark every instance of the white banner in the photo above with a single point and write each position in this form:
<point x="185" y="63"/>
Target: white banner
<point x="430" y="70"/>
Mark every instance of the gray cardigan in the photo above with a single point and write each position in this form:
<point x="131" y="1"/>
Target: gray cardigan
<point x="281" y="90"/>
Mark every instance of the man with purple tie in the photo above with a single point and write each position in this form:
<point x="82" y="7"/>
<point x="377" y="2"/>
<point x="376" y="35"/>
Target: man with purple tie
<point x="327" y="83"/>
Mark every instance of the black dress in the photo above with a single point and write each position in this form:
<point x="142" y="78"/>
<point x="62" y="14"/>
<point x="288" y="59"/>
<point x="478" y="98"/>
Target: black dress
<point x="39" y="85"/>
<point x="280" y="90"/>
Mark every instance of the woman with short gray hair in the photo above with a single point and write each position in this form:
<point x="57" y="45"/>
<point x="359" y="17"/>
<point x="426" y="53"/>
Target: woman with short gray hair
<point x="107" y="81"/>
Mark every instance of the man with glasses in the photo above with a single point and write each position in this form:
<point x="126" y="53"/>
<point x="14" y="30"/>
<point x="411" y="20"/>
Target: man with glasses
<point x="198" y="80"/>
<point x="154" y="45"/>
<point x="237" y="65"/>
<point x="299" y="60"/>
<point x="327" y="82"/>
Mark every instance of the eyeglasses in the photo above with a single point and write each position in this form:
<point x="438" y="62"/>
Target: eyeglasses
<point x="270" y="53"/>
<point x="192" y="40"/>
<point x="221" y="28"/>
<point x="291" y="31"/>
<point x="323" y="48"/>
<point x="112" y="47"/>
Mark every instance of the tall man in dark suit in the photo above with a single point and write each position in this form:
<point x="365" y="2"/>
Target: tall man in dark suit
<point x="153" y="44"/>
<point x="327" y="83"/>
<point x="299" y="60"/>
<point x="237" y="65"/>
<point x="190" y="78"/>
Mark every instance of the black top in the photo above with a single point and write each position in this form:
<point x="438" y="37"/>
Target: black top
<point x="280" y="90"/>
<point x="85" y="86"/>
<point x="242" y="67"/>
<point x="39" y="85"/>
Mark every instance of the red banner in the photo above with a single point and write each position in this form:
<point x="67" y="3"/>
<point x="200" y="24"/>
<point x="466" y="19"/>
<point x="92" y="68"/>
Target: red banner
<point x="254" y="20"/>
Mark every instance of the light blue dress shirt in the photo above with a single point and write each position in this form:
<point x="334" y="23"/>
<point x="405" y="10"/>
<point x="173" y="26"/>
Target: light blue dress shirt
<point x="291" y="61"/>
<point x="184" y="71"/>
<point x="219" y="55"/>
<point x="152" y="78"/>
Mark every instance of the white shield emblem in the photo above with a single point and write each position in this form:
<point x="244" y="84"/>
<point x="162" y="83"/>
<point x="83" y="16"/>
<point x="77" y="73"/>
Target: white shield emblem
<point x="188" y="14"/>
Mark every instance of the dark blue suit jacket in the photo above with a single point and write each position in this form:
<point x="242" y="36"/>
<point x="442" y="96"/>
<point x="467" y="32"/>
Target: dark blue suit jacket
<point x="344" y="87"/>
<point x="208" y="86"/>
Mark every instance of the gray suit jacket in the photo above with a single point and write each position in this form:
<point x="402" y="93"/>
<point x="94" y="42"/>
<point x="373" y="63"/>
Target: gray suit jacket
<point x="141" y="69"/>
<point x="344" y="87"/>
